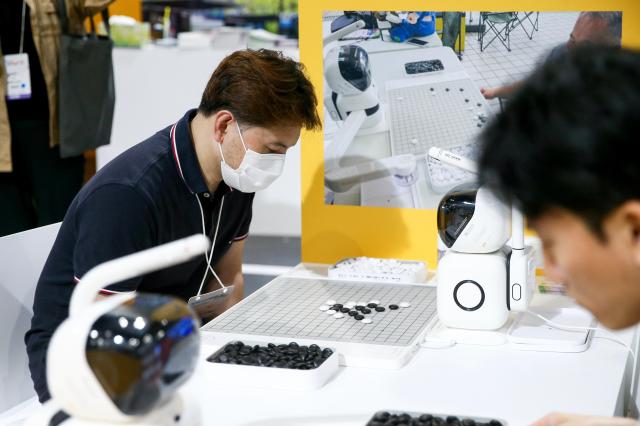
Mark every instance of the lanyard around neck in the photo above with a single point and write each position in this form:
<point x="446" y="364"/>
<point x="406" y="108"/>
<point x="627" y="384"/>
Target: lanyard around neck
<point x="24" y="10"/>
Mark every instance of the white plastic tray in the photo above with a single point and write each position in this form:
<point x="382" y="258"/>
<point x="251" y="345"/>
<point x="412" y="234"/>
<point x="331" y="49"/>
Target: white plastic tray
<point x="379" y="270"/>
<point x="272" y="377"/>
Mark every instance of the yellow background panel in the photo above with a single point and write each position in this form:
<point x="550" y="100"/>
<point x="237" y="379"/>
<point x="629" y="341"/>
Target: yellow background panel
<point x="131" y="8"/>
<point x="330" y="233"/>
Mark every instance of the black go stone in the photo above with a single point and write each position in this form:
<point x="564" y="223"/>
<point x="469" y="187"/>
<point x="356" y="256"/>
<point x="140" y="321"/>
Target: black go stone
<point x="393" y="307"/>
<point x="372" y="305"/>
<point x="466" y="100"/>
<point x="380" y="309"/>
<point x="366" y="311"/>
<point x="479" y="104"/>
<point x="344" y="310"/>
<point x="353" y="313"/>
<point x="337" y="306"/>
<point x="462" y="89"/>
<point x="383" y="418"/>
<point x="447" y="89"/>
<point x="432" y="89"/>
<point x="359" y="317"/>
<point x="405" y="418"/>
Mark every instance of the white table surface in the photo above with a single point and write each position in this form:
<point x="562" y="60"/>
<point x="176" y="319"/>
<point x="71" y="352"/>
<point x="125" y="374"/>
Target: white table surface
<point x="517" y="386"/>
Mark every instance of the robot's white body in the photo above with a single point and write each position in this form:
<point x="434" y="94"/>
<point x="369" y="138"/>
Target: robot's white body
<point x="480" y="278"/>
<point x="177" y="411"/>
<point x="352" y="89"/>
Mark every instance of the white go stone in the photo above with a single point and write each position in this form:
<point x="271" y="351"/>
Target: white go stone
<point x="377" y="302"/>
<point x="324" y="308"/>
<point x="338" y="315"/>
<point x="362" y="303"/>
<point x="366" y="321"/>
<point x="331" y="302"/>
<point x="405" y="304"/>
<point x="350" y="304"/>
<point x="331" y="312"/>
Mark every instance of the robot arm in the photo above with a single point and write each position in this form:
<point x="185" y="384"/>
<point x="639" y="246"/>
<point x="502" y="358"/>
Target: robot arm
<point x="359" y="24"/>
<point x="343" y="179"/>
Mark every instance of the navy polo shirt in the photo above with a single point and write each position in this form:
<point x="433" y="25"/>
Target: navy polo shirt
<point x="143" y="198"/>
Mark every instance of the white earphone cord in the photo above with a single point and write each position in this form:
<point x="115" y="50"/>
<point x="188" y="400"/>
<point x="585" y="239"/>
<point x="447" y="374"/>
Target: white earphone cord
<point x="610" y="336"/>
<point x="448" y="343"/>
<point x="209" y="256"/>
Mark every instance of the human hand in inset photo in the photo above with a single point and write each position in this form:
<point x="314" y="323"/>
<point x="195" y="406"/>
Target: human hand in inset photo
<point x="488" y="92"/>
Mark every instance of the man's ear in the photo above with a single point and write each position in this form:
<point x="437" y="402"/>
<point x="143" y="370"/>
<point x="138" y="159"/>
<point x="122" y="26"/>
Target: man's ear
<point x="221" y="122"/>
<point x="624" y="224"/>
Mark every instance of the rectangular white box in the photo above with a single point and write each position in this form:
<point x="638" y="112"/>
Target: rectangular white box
<point x="272" y="377"/>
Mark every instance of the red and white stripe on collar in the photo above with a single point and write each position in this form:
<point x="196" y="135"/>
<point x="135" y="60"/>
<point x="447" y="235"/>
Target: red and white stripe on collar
<point x="176" y="157"/>
<point x="104" y="291"/>
<point x="240" y="238"/>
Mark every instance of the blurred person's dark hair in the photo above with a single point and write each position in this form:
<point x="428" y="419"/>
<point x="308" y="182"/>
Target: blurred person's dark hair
<point x="569" y="138"/>
<point x="613" y="21"/>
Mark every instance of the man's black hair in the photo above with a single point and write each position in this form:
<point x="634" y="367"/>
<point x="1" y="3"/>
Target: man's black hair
<point x="570" y="137"/>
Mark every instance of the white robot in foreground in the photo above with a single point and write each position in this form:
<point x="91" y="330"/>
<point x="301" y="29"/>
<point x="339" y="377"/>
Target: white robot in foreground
<point x="121" y="360"/>
<point x="480" y="278"/>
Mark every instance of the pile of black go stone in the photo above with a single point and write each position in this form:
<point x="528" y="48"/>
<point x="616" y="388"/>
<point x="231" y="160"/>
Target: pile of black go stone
<point x="358" y="310"/>
<point x="384" y="418"/>
<point x="292" y="356"/>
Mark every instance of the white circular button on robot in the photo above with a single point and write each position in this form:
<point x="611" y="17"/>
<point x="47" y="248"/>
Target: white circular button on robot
<point x="468" y="295"/>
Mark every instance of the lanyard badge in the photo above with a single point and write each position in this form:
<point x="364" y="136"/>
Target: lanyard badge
<point x="210" y="304"/>
<point x="17" y="69"/>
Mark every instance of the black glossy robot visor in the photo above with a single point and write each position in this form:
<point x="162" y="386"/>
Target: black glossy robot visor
<point x="143" y="350"/>
<point x="455" y="211"/>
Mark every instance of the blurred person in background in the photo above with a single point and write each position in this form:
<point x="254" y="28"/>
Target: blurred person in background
<point x="600" y="28"/>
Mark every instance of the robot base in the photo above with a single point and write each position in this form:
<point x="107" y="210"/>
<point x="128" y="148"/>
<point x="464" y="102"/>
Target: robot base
<point x="472" y="290"/>
<point x="176" y="412"/>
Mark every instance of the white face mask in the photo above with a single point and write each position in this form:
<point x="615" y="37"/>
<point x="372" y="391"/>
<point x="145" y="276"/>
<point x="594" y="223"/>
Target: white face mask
<point x="255" y="172"/>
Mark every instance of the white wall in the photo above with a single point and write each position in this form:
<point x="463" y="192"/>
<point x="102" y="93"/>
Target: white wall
<point x="22" y="257"/>
<point x="154" y="88"/>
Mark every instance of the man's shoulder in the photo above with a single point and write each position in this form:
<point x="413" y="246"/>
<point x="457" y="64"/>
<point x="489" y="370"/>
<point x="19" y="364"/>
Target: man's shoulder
<point x="146" y="161"/>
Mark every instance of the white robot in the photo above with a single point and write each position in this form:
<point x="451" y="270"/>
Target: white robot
<point x="354" y="103"/>
<point x="121" y="360"/>
<point x="480" y="279"/>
